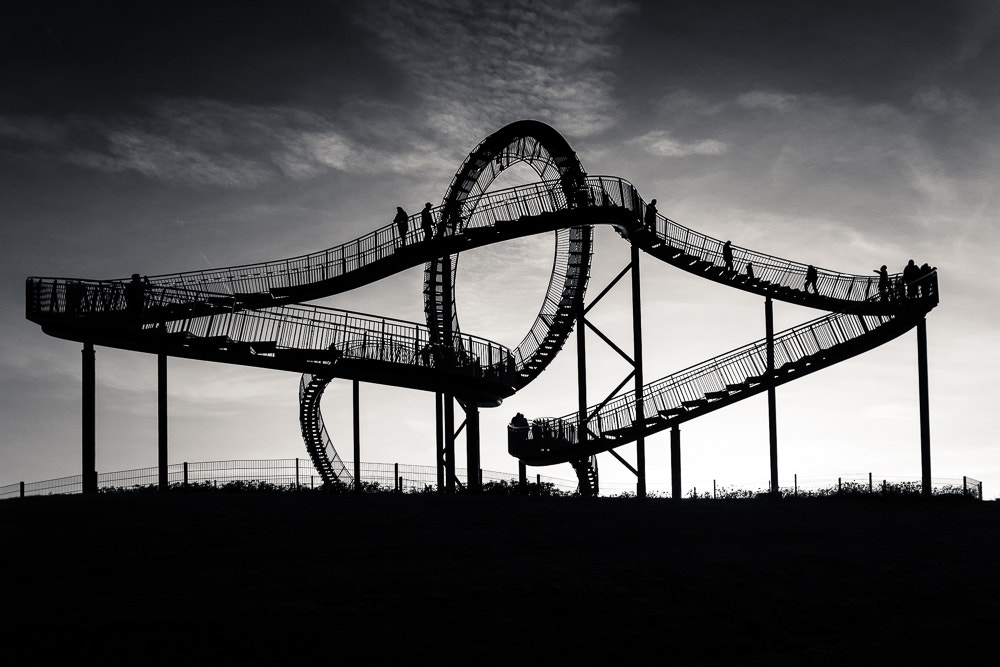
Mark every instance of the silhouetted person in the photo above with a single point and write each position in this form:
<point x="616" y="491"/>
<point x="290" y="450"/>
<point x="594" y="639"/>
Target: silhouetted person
<point x="883" y="283"/>
<point x="519" y="420"/>
<point x="650" y="218"/>
<point x="911" y="274"/>
<point x="427" y="221"/>
<point x="750" y="270"/>
<point x="811" y="277"/>
<point x="402" y="221"/>
<point x="727" y="255"/>
<point x="134" y="295"/>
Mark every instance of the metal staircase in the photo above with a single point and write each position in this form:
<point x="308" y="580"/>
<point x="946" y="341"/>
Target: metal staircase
<point x="720" y="381"/>
<point x="321" y="450"/>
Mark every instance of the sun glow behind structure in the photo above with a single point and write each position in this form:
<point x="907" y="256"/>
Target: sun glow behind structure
<point x="847" y="163"/>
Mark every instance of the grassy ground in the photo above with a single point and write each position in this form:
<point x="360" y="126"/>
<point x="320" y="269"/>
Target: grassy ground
<point x="208" y="577"/>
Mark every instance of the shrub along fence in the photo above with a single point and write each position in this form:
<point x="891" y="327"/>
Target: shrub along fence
<point x="296" y="474"/>
<point x="283" y="474"/>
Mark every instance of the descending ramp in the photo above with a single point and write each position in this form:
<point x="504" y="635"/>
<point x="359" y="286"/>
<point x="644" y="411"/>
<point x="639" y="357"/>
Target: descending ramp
<point x="252" y="314"/>
<point x="718" y="382"/>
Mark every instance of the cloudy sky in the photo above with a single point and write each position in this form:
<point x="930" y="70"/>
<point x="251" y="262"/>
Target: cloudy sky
<point x="162" y="137"/>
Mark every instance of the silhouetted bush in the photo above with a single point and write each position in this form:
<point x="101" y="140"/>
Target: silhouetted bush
<point x="513" y="488"/>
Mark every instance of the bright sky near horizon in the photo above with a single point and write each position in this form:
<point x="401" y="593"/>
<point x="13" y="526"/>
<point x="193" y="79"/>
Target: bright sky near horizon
<point x="163" y="137"/>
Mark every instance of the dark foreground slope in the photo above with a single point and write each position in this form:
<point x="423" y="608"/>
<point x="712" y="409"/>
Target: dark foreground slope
<point x="226" y="577"/>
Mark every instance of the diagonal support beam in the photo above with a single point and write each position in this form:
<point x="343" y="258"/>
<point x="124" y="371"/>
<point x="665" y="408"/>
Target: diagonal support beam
<point x="607" y="289"/>
<point x="624" y="462"/>
<point x="609" y="342"/>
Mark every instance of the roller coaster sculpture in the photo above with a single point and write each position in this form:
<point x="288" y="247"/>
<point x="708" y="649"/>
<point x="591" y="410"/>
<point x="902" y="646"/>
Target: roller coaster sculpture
<point x="255" y="314"/>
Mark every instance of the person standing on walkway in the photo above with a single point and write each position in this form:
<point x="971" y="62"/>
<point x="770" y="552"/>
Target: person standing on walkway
<point x="911" y="274"/>
<point x="883" y="283"/>
<point x="650" y="219"/>
<point x="811" y="277"/>
<point x="727" y="255"/>
<point x="427" y="221"/>
<point x="402" y="221"/>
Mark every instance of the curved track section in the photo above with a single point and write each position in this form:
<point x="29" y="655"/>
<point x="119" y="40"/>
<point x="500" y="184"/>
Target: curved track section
<point x="247" y="314"/>
<point x="544" y="150"/>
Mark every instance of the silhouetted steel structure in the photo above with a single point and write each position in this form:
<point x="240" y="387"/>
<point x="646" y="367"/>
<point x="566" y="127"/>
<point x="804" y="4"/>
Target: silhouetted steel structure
<point x="254" y="315"/>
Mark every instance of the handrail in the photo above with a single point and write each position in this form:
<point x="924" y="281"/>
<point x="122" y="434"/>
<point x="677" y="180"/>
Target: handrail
<point x="731" y="369"/>
<point x="253" y="283"/>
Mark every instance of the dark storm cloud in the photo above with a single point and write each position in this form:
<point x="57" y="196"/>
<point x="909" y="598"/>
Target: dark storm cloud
<point x="871" y="51"/>
<point x="99" y="57"/>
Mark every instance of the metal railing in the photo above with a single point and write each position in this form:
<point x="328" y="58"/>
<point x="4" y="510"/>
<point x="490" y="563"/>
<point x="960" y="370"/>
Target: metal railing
<point x="286" y="473"/>
<point x="720" y="374"/>
<point x="814" y="487"/>
<point x="293" y="473"/>
<point x="253" y="285"/>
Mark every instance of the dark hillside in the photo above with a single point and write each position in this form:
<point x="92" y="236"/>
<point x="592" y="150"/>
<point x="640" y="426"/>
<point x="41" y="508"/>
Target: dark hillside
<point x="222" y="577"/>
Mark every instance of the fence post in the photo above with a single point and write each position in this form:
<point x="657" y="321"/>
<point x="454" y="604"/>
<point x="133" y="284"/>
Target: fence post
<point x="965" y="486"/>
<point x="714" y="497"/>
<point x="869" y="484"/>
<point x="296" y="473"/>
<point x="796" y="491"/>
<point x="185" y="474"/>
<point x="22" y="489"/>
<point x="838" y="486"/>
<point x="395" y="475"/>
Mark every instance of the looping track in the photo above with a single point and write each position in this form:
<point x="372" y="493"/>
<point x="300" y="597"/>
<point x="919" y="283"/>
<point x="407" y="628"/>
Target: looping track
<point x="253" y="314"/>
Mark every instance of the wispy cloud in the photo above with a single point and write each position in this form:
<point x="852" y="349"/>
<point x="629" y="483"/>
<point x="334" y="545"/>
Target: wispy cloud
<point x="762" y="99"/>
<point x="938" y="100"/>
<point x="662" y="144"/>
<point x="214" y="144"/>
<point x="472" y="63"/>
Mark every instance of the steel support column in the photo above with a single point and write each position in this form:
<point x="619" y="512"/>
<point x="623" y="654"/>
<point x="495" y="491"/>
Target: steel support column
<point x="439" y="440"/>
<point x="675" y="463"/>
<point x="88" y="422"/>
<point x="161" y="421"/>
<point x="449" y="441"/>
<point x="356" y="401"/>
<point x="640" y="416"/>
<point x="925" y="417"/>
<point x="472" y="446"/>
<point x="581" y="375"/>
<point x="772" y="412"/>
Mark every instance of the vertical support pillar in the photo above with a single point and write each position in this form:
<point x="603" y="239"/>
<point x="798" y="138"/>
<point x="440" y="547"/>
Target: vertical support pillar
<point x="449" y="441"/>
<point x="161" y="421"/>
<point x="640" y="442"/>
<point x="675" y="463"/>
<point x="472" y="446"/>
<point x="581" y="375"/>
<point x="522" y="477"/>
<point x="925" y="417"/>
<point x="88" y="422"/>
<point x="772" y="412"/>
<point x="356" y="400"/>
<point x="439" y="440"/>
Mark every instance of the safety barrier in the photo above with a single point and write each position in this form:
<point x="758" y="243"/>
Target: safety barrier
<point x="287" y="473"/>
